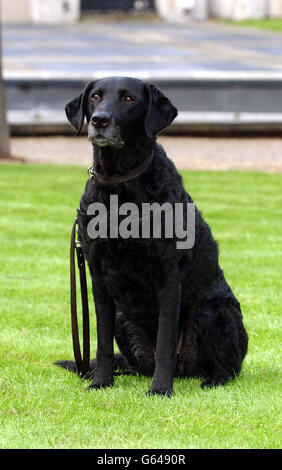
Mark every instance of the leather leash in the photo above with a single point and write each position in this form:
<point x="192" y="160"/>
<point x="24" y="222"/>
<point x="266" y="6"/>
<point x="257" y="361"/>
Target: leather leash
<point x="82" y="362"/>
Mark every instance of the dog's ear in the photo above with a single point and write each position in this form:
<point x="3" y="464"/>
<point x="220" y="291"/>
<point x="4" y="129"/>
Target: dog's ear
<point x="76" y="109"/>
<point x="160" y="112"/>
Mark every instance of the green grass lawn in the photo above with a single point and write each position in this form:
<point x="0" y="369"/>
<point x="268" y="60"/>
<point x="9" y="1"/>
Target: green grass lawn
<point x="43" y="406"/>
<point x="270" y="24"/>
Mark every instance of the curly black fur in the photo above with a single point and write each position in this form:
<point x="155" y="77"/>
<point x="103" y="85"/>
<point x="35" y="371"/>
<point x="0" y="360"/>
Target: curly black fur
<point x="171" y="311"/>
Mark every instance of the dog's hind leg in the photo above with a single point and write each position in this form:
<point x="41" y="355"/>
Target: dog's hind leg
<point x="224" y="345"/>
<point x="135" y="345"/>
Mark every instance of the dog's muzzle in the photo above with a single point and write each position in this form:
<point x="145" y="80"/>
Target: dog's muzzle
<point x="104" y="132"/>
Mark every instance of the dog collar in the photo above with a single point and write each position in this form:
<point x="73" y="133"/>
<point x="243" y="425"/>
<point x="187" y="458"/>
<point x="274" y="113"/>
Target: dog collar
<point x="120" y="178"/>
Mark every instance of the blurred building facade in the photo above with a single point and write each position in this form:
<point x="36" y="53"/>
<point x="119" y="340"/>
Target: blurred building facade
<point x="69" y="11"/>
<point x="40" y="11"/>
<point x="227" y="9"/>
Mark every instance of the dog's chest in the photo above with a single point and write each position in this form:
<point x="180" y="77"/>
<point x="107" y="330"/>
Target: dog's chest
<point x="131" y="274"/>
<point x="133" y="269"/>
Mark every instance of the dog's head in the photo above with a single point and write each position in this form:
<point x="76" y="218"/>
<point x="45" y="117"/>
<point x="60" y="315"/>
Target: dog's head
<point x="118" y="109"/>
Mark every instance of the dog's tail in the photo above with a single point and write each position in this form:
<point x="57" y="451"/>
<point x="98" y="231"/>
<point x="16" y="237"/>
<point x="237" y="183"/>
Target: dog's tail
<point x="69" y="365"/>
<point x="120" y="366"/>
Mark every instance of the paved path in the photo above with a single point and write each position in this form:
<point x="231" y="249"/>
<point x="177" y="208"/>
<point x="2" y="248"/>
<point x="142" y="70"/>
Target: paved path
<point x="138" y="48"/>
<point x="195" y="153"/>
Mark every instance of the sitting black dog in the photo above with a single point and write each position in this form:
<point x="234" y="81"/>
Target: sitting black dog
<point x="170" y="310"/>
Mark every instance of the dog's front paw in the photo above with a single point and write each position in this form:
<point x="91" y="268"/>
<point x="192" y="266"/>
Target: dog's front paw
<point x="101" y="383"/>
<point x="158" y="390"/>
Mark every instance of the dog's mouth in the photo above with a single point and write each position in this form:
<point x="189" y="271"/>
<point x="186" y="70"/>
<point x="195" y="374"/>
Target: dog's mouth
<point x="102" y="140"/>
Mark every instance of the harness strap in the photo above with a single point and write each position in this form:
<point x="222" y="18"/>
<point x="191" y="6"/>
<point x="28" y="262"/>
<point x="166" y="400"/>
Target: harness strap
<point x="82" y="363"/>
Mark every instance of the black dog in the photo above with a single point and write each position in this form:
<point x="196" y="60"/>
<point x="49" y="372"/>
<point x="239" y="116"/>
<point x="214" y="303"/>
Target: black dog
<point x="170" y="310"/>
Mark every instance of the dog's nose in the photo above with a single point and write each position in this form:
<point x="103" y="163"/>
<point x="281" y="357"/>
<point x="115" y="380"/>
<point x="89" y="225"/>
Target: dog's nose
<point x="101" y="119"/>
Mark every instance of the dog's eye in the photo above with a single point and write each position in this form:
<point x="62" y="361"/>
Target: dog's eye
<point x="128" y="99"/>
<point x="95" y="97"/>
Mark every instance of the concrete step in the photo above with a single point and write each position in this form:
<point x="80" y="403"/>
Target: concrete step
<point x="212" y="101"/>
